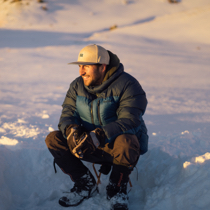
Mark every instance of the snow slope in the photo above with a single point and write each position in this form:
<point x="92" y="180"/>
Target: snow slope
<point x="165" y="46"/>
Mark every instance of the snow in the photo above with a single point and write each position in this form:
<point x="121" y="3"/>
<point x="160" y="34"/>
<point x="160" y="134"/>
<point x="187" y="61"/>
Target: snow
<point x="165" y="46"/>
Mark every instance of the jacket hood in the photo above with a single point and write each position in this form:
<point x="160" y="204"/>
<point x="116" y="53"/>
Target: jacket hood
<point x="112" y="67"/>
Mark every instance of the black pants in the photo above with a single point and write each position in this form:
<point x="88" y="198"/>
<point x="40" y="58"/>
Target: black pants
<point x="125" y="151"/>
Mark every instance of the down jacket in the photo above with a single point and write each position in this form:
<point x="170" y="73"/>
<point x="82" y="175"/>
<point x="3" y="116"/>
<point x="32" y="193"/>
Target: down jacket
<point x="117" y="105"/>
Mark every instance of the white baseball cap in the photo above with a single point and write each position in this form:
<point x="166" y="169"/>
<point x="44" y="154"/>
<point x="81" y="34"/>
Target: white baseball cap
<point x="92" y="54"/>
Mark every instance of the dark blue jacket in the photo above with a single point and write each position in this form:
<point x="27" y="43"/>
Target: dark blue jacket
<point x="117" y="106"/>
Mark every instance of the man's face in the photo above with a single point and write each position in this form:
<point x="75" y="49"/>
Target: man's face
<point x="92" y="74"/>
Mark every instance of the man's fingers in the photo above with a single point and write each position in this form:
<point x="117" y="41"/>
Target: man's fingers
<point x="77" y="151"/>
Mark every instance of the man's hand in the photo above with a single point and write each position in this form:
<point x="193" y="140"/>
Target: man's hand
<point x="73" y="133"/>
<point x="87" y="143"/>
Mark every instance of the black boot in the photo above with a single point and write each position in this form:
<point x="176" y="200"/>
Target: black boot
<point x="117" y="188"/>
<point x="84" y="188"/>
<point x="118" y="201"/>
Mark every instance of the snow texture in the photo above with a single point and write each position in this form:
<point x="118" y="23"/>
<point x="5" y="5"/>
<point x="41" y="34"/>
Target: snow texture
<point x="166" y="46"/>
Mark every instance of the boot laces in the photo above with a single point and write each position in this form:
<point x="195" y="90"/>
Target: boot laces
<point x="84" y="183"/>
<point x="113" y="189"/>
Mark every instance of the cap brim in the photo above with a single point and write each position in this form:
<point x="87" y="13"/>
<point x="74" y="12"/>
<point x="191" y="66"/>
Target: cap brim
<point x="83" y="63"/>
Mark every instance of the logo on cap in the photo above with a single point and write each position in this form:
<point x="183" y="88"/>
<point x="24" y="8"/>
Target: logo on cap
<point x="81" y="55"/>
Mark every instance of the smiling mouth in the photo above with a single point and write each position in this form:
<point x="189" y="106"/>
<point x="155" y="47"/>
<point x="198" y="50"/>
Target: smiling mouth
<point x="85" y="77"/>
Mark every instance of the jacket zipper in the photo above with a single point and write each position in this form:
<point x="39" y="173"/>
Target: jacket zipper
<point x="99" y="118"/>
<point x="91" y="112"/>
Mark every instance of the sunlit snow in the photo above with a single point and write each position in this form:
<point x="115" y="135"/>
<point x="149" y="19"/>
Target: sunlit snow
<point x="166" y="46"/>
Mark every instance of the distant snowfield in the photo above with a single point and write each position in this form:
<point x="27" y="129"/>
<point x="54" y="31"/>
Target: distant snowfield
<point x="165" y="46"/>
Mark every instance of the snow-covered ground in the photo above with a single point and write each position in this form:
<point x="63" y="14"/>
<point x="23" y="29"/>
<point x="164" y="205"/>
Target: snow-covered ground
<point x="165" y="46"/>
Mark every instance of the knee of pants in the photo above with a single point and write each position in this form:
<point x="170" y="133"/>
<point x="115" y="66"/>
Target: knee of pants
<point x="49" y="139"/>
<point x="54" y="139"/>
<point x="56" y="144"/>
<point x="126" y="150"/>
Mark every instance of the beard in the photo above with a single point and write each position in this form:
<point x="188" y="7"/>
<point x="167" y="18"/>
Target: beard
<point x="93" y="80"/>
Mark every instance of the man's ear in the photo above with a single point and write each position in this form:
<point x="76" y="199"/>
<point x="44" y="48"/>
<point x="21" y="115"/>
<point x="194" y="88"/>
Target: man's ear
<point x="103" y="67"/>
